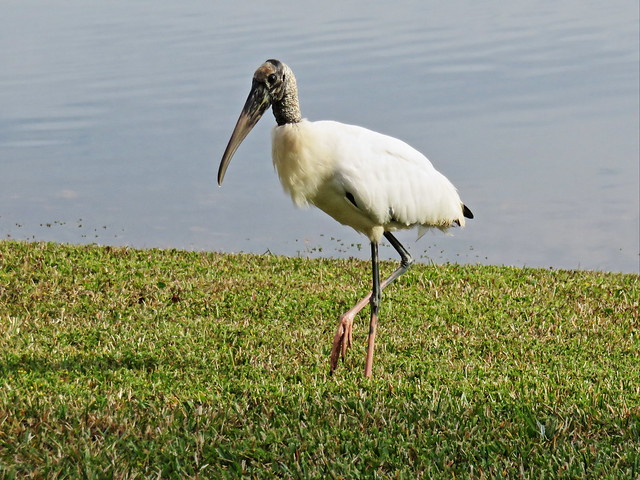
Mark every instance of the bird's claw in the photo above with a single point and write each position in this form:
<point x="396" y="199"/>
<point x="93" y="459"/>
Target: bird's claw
<point x="342" y="340"/>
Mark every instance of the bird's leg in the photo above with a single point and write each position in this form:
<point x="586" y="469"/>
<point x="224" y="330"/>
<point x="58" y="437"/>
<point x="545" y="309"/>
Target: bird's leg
<point x="375" y="304"/>
<point x="344" y="335"/>
<point x="405" y="259"/>
<point x="343" y="338"/>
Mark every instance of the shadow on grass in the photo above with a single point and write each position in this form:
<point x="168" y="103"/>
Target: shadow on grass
<point x="83" y="363"/>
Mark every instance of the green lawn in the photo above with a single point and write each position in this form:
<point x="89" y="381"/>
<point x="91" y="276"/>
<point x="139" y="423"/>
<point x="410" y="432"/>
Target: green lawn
<point x="122" y="363"/>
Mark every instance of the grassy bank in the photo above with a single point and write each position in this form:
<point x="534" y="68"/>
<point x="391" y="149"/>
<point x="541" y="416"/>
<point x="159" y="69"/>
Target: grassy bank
<point x="120" y="363"/>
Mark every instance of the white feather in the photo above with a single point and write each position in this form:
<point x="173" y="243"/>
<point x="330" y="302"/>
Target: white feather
<point x="393" y="185"/>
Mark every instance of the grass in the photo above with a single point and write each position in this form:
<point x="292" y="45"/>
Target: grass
<point x="121" y="363"/>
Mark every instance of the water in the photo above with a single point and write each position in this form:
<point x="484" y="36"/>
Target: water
<point x="114" y="116"/>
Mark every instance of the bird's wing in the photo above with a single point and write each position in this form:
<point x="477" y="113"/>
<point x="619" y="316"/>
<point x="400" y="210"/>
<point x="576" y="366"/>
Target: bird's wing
<point x="390" y="181"/>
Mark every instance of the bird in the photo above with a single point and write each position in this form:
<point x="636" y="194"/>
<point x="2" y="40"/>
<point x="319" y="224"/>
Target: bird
<point x="374" y="183"/>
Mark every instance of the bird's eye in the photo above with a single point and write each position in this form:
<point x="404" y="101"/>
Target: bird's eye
<point x="272" y="78"/>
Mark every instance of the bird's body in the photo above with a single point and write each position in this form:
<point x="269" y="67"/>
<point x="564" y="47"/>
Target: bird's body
<point x="371" y="182"/>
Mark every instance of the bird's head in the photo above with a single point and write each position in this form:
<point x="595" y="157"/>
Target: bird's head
<point x="268" y="87"/>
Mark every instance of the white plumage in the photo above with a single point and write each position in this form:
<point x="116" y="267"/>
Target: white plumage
<point x="391" y="185"/>
<point x="371" y="182"/>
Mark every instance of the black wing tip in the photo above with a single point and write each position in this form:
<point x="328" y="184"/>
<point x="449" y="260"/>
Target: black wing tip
<point x="351" y="198"/>
<point x="466" y="212"/>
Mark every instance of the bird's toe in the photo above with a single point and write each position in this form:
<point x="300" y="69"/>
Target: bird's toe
<point x="342" y="340"/>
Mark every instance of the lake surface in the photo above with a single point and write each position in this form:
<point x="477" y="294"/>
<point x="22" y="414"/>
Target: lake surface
<point x="114" y="116"/>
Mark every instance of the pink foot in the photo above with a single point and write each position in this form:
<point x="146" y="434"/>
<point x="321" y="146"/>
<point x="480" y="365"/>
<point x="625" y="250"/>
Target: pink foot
<point x="343" y="338"/>
<point x="344" y="335"/>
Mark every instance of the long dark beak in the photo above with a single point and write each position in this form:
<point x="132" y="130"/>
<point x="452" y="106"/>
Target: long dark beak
<point x="257" y="103"/>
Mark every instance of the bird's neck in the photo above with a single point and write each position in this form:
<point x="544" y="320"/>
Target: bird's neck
<point x="287" y="109"/>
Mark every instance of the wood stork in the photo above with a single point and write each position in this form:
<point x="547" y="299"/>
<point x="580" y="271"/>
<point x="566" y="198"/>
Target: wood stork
<point x="371" y="182"/>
